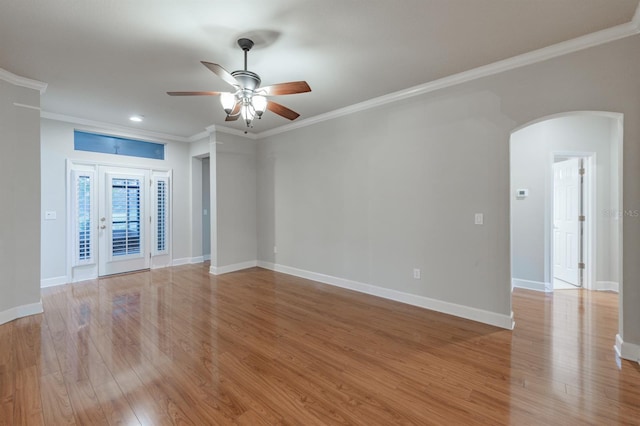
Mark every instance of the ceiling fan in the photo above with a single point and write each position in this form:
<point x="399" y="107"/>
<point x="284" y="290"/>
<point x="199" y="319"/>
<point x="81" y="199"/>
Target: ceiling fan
<point x="248" y="99"/>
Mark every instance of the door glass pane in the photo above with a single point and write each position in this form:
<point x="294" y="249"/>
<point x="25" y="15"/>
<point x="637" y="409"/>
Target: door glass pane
<point x="125" y="216"/>
<point x="83" y="211"/>
<point x="161" y="220"/>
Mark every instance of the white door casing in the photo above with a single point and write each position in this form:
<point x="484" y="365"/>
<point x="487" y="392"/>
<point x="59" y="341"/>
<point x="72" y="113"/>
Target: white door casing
<point x="90" y="241"/>
<point x="566" y="212"/>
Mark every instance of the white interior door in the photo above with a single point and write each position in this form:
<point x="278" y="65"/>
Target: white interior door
<point x="123" y="224"/>
<point x="566" y="212"/>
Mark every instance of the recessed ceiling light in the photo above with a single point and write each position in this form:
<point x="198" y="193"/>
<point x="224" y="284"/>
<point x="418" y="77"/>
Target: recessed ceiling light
<point x="136" y="118"/>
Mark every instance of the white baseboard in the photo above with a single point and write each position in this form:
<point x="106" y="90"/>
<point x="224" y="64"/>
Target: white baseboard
<point x="532" y="285"/>
<point x="607" y="286"/>
<point x="182" y="261"/>
<point x="206" y="257"/>
<point x="474" y="314"/>
<point x="20" y="311"/>
<point x="80" y="274"/>
<point x="219" y="270"/>
<point x="197" y="259"/>
<point x="51" y="282"/>
<point x="627" y="350"/>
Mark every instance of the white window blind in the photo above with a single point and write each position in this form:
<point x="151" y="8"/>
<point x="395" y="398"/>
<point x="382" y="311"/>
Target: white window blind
<point x="83" y="226"/>
<point x="126" y="215"/>
<point x="161" y="207"/>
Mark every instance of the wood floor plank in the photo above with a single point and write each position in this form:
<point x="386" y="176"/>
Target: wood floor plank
<point x="114" y="405"/>
<point x="27" y="408"/>
<point x="6" y="413"/>
<point x="7" y="372"/>
<point x="56" y="405"/>
<point x="180" y="346"/>
<point x="85" y="403"/>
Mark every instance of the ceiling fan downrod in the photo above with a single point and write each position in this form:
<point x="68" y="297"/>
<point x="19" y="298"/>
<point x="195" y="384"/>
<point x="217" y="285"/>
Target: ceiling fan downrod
<point x="246" y="45"/>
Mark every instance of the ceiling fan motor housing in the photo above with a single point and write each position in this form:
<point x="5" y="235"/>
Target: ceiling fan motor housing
<point x="247" y="79"/>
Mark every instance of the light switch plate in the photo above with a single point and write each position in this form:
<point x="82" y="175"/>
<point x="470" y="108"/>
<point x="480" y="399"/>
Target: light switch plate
<point x="479" y="219"/>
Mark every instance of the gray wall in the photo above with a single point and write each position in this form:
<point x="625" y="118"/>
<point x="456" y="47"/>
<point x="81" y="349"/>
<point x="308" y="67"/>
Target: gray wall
<point x="369" y="197"/>
<point x="20" y="194"/>
<point x="372" y="195"/>
<point x="531" y="155"/>
<point x="235" y="169"/>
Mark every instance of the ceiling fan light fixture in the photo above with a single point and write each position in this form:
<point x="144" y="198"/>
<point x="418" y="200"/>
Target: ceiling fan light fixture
<point x="248" y="113"/>
<point x="259" y="104"/>
<point x="228" y="101"/>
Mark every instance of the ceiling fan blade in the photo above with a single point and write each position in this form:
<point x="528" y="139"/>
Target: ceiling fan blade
<point x="289" y="88"/>
<point x="222" y="73"/>
<point x="282" y="110"/>
<point x="234" y="114"/>
<point x="194" y="93"/>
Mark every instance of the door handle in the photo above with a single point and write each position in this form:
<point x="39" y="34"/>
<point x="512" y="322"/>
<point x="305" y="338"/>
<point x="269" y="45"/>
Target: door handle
<point x="103" y="226"/>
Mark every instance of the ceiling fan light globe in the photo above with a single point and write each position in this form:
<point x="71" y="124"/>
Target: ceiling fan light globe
<point x="228" y="101"/>
<point x="259" y="104"/>
<point x="248" y="113"/>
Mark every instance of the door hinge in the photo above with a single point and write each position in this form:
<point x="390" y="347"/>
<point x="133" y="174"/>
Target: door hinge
<point x="581" y="265"/>
<point x="581" y="218"/>
<point x="581" y="171"/>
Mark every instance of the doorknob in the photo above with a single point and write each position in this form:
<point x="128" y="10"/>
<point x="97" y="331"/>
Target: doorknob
<point x="103" y="226"/>
<point x="102" y="219"/>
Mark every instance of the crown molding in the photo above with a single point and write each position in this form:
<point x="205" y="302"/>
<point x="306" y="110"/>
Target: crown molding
<point x="235" y="132"/>
<point x="213" y="128"/>
<point x="574" y="45"/>
<point x="133" y="132"/>
<point x="113" y="128"/>
<point x="16" y="80"/>
<point x="19" y="105"/>
<point x="636" y="19"/>
<point x="199" y="136"/>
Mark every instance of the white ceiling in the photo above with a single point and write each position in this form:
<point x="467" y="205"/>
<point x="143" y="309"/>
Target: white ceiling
<point x="106" y="60"/>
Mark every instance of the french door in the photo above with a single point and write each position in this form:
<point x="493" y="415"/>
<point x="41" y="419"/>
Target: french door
<point x="123" y="234"/>
<point x="119" y="220"/>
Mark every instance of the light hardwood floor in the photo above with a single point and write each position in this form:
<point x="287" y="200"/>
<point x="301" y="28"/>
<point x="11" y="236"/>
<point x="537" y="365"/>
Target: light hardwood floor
<point x="258" y="348"/>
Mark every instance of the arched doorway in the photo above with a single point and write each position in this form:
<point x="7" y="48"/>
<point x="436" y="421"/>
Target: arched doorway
<point x="594" y="140"/>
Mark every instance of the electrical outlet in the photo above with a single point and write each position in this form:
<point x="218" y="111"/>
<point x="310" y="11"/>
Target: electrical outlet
<point x="416" y="273"/>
